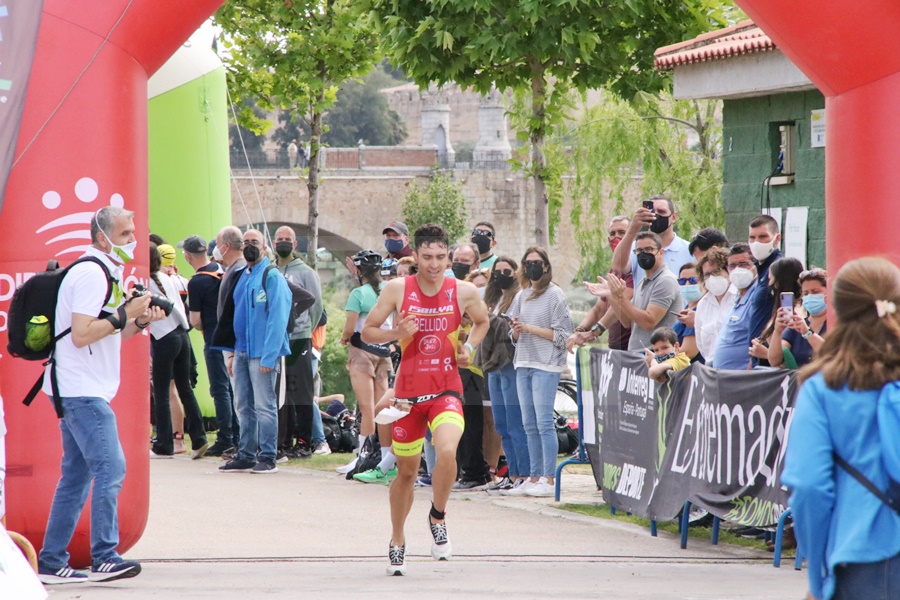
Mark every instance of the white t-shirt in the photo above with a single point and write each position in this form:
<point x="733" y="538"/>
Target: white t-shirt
<point x="92" y="370"/>
<point x="176" y="318"/>
<point x="709" y="320"/>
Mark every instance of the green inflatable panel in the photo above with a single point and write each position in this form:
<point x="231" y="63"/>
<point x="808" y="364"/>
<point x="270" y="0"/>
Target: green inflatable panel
<point x="190" y="189"/>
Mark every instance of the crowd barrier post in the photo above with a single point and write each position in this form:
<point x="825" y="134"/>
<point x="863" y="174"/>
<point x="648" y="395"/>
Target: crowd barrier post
<point x="581" y="458"/>
<point x="779" y="543"/>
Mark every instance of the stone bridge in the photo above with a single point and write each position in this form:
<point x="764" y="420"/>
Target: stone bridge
<point x="356" y="204"/>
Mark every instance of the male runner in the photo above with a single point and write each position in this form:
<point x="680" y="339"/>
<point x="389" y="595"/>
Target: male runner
<point x="430" y="307"/>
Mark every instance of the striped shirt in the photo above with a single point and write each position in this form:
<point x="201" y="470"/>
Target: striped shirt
<point x="550" y="311"/>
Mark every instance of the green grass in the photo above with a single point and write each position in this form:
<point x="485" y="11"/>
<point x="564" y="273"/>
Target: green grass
<point x="703" y="533"/>
<point x="321" y="463"/>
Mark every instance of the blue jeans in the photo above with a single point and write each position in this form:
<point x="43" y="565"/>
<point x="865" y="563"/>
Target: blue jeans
<point x="91" y="454"/>
<point x="537" y="393"/>
<point x="220" y="390"/>
<point x="508" y="420"/>
<point x="868" y="581"/>
<point x="257" y="408"/>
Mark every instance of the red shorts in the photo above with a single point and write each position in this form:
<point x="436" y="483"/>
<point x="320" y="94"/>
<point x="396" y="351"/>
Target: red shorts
<point x="409" y="432"/>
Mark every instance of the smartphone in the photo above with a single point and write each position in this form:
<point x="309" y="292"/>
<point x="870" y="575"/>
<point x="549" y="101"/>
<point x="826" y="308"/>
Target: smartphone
<point x="648" y="204"/>
<point x="787" y="301"/>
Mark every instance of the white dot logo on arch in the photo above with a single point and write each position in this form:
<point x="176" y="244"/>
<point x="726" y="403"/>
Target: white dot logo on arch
<point x="71" y="231"/>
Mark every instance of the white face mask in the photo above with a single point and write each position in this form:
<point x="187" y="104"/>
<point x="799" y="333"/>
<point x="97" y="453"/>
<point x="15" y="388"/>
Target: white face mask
<point x="717" y="285"/>
<point x="481" y="292"/>
<point x="742" y="278"/>
<point x="120" y="254"/>
<point x="761" y="251"/>
<point x="217" y="254"/>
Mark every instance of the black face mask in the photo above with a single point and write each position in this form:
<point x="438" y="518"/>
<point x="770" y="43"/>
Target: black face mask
<point x="646" y="261"/>
<point x="660" y="224"/>
<point x="504" y="282"/>
<point x="534" y="270"/>
<point x="284" y="249"/>
<point x="460" y="270"/>
<point x="483" y="242"/>
<point x="251" y="254"/>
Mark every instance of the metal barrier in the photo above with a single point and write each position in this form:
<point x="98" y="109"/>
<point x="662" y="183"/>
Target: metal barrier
<point x="581" y="457"/>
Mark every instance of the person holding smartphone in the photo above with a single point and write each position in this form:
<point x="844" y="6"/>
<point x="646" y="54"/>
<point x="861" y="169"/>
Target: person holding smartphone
<point x="783" y="277"/>
<point x="803" y="337"/>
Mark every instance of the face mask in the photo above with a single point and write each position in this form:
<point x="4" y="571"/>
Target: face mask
<point x="742" y="278"/>
<point x="481" y="293"/>
<point x="717" y="285"/>
<point x="761" y="251"/>
<point x="284" y="249"/>
<point x="460" y="270"/>
<point x="691" y="292"/>
<point x="534" y="270"/>
<point x="393" y="246"/>
<point x="483" y="242"/>
<point x="120" y="254"/>
<point x="814" y="304"/>
<point x="504" y="282"/>
<point x="646" y="261"/>
<point x="614" y="243"/>
<point x="664" y="357"/>
<point x="660" y="224"/>
<point x="251" y="254"/>
<point x="217" y="254"/>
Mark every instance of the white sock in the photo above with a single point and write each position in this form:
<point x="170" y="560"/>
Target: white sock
<point x="388" y="460"/>
<point x="362" y="439"/>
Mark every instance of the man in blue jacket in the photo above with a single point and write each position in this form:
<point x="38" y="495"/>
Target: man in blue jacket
<point x="260" y="320"/>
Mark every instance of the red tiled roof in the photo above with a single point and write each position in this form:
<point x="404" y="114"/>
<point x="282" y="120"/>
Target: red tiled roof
<point x="743" y="38"/>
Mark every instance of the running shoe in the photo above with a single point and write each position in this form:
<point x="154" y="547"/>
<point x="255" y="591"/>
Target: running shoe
<point x="396" y="555"/>
<point x="65" y="574"/>
<point x="154" y="454"/>
<point x="348" y="467"/>
<point x="542" y="489"/>
<point x="323" y="449"/>
<point x="238" y="466"/>
<point x="497" y="488"/>
<point x="520" y="488"/>
<point x="111" y="571"/>
<point x="281" y="457"/>
<point x="376" y="476"/>
<point x="423" y="481"/>
<point x="440" y="548"/>
<point x="464" y="485"/>
<point x="218" y="449"/>
<point x="200" y="452"/>
<point x="264" y="467"/>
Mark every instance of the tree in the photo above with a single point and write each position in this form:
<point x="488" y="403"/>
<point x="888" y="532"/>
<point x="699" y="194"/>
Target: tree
<point x="542" y="47"/>
<point x="442" y="201"/>
<point x="293" y="54"/>
<point x="362" y="113"/>
<point x="658" y="144"/>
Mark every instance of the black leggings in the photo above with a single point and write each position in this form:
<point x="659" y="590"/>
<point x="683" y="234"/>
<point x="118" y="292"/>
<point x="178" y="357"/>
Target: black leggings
<point x="172" y="359"/>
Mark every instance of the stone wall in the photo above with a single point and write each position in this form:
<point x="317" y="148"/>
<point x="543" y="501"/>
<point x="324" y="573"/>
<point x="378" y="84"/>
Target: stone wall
<point x="356" y="205"/>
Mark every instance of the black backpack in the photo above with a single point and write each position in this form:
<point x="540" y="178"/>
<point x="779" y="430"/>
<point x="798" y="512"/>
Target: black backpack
<point x="301" y="300"/>
<point x="31" y="321"/>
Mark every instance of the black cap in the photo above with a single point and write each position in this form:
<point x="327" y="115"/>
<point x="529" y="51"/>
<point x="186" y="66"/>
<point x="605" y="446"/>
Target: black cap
<point x="193" y="244"/>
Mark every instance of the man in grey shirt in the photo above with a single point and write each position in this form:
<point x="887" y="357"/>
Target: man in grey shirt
<point x="657" y="297"/>
<point x="229" y="244"/>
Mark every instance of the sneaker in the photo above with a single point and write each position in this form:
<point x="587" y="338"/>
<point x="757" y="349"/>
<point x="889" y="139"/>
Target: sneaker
<point x="323" y="449"/>
<point x="110" y="571"/>
<point x="237" y="466"/>
<point x="497" y="488"/>
<point x="230" y="453"/>
<point x="264" y="467"/>
<point x="281" y="457"/>
<point x="300" y="451"/>
<point x="464" y="485"/>
<point x="218" y="449"/>
<point x="348" y="467"/>
<point x="157" y="455"/>
<point x="542" y="489"/>
<point x="372" y="476"/>
<point x="440" y="548"/>
<point x="423" y="481"/>
<point x="519" y="488"/>
<point x="62" y="575"/>
<point x="396" y="554"/>
<point x="200" y="452"/>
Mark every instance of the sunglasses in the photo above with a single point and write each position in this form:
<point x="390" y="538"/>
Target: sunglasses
<point x="687" y="280"/>
<point x="482" y="232"/>
<point x="815" y="272"/>
<point x="507" y="272"/>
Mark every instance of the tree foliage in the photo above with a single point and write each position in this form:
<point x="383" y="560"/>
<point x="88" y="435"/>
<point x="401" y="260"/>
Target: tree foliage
<point x="293" y="54"/>
<point x="362" y="113"/>
<point x="441" y="201"/>
<point x="546" y="48"/>
<point x="654" y="145"/>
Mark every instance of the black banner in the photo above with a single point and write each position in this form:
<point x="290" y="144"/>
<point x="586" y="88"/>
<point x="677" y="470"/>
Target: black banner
<point x="19" y="23"/>
<point x="716" y="438"/>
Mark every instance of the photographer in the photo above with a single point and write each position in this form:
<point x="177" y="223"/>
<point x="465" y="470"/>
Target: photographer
<point x="171" y="352"/>
<point x="87" y="373"/>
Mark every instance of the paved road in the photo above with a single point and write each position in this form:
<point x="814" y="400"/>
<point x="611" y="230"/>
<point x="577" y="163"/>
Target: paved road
<point x="307" y="534"/>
